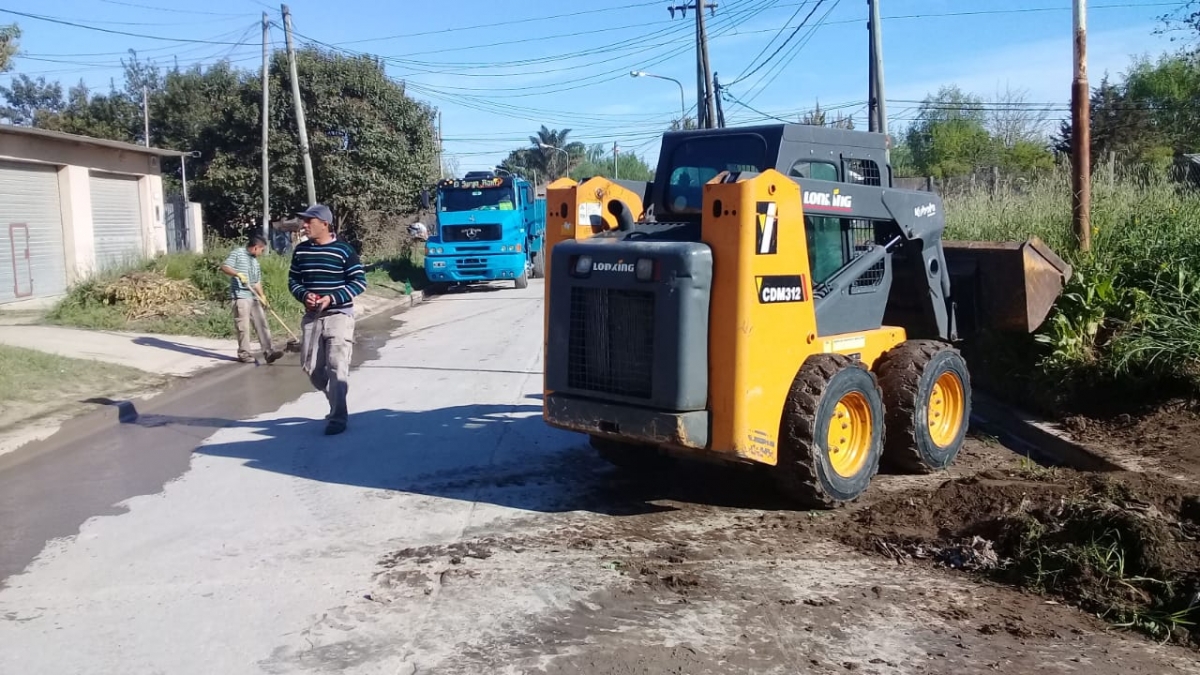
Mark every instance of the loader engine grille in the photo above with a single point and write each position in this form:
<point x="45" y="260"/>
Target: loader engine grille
<point x="611" y="343"/>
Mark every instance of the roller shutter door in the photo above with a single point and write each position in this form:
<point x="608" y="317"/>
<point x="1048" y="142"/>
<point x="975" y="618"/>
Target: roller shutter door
<point x="32" y="256"/>
<point x="116" y="219"/>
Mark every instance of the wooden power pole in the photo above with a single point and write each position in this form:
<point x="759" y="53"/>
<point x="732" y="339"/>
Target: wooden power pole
<point x="1081" y="135"/>
<point x="291" y="52"/>
<point x="877" y="107"/>
<point x="706" y="116"/>
<point x="266" y="128"/>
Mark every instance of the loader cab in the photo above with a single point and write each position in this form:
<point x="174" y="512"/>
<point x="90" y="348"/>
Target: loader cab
<point x="689" y="159"/>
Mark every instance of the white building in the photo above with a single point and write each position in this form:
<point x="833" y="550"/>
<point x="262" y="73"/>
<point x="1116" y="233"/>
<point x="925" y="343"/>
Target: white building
<point x="73" y="205"/>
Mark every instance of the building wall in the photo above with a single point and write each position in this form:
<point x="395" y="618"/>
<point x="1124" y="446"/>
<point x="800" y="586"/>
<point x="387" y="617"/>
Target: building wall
<point x="74" y="161"/>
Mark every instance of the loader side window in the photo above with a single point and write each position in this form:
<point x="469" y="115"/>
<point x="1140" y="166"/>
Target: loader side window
<point x="814" y="170"/>
<point x="826" y="246"/>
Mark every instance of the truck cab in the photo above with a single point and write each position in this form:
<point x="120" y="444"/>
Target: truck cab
<point x="489" y="228"/>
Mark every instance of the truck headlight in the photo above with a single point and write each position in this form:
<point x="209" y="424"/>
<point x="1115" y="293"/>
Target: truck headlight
<point x="583" y="266"/>
<point x="644" y="270"/>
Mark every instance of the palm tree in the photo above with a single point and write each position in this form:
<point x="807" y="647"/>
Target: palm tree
<point x="548" y="143"/>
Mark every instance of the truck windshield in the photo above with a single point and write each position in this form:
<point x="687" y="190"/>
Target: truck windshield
<point x="694" y="162"/>
<point x="485" y="199"/>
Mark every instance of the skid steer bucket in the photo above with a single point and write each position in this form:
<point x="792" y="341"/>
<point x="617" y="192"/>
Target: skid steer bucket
<point x="1004" y="286"/>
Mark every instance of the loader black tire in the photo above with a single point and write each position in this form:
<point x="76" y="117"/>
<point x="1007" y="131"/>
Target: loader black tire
<point x="806" y="470"/>
<point x="916" y="376"/>
<point x="630" y="456"/>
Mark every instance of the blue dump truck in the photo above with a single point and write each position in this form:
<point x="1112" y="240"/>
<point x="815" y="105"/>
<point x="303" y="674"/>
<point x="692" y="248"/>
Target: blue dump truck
<point x="489" y="228"/>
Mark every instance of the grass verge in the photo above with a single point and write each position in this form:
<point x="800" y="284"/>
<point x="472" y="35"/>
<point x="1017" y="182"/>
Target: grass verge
<point x="34" y="384"/>
<point x="186" y="294"/>
<point x="1128" y="322"/>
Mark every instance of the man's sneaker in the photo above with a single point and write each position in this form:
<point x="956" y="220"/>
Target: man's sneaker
<point x="274" y="356"/>
<point x="246" y="359"/>
<point x="334" y="427"/>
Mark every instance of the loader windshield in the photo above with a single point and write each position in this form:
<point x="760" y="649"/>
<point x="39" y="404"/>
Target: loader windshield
<point x="696" y="161"/>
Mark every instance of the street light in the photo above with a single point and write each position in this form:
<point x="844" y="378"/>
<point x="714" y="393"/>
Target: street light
<point x="682" y="98"/>
<point x="552" y="147"/>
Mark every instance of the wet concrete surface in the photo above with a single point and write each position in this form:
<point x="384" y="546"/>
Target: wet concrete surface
<point x="51" y="487"/>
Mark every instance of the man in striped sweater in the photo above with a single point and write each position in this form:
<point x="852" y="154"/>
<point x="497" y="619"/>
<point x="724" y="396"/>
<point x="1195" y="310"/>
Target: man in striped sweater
<point x="326" y="275"/>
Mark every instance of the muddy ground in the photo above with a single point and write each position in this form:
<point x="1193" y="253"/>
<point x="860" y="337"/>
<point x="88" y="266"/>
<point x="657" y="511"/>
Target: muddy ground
<point x="706" y="572"/>
<point x="1164" y="440"/>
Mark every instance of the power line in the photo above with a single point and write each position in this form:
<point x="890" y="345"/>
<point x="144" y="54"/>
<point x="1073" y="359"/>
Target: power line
<point x="109" y="30"/>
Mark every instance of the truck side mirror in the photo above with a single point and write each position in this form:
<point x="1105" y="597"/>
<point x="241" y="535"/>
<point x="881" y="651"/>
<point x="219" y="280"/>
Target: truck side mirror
<point x="425" y="199"/>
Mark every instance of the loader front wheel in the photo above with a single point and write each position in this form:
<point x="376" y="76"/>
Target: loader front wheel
<point x="927" y="396"/>
<point x="831" y="434"/>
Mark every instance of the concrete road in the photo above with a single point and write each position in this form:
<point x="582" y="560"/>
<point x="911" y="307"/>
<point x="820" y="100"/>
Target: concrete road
<point x="451" y="531"/>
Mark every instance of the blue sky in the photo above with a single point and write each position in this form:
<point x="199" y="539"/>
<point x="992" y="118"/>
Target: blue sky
<point x="499" y="70"/>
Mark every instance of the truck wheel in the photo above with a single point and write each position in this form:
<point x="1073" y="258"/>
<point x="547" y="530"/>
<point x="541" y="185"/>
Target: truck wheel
<point x="632" y="456"/>
<point x="927" y="396"/>
<point x="539" y="266"/>
<point x="831" y="434"/>
<point x="436" y="288"/>
<point x="523" y="280"/>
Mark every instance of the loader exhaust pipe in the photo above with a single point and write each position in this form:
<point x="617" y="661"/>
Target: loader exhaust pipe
<point x="621" y="212"/>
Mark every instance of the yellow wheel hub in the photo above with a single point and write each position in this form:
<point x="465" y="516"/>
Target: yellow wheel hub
<point x="849" y="439"/>
<point x="946" y="406"/>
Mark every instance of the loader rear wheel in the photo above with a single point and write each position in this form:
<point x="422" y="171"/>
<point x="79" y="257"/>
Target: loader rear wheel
<point x="927" y="396"/>
<point x="831" y="434"/>
<point x="632" y="456"/>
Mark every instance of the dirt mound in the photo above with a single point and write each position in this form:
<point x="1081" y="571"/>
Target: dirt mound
<point x="1123" y="546"/>
<point x="1168" y="435"/>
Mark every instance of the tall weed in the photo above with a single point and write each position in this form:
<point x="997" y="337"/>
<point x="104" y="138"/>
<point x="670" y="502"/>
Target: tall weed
<point x="1130" y="315"/>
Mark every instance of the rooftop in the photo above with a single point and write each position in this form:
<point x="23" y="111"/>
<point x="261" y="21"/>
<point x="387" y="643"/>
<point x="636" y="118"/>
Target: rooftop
<point x="9" y="129"/>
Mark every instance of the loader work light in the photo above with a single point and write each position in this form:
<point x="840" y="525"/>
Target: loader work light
<point x="644" y="271"/>
<point x="583" y="266"/>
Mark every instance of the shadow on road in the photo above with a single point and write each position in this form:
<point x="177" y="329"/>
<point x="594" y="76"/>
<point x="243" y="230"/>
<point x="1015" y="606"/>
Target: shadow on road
<point x="181" y="348"/>
<point x="502" y="455"/>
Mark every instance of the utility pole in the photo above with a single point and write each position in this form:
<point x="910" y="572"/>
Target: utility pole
<point x="717" y="96"/>
<point x="146" y="115"/>
<point x="1081" y="135"/>
<point x="291" y="52"/>
<point x="441" y="151"/>
<point x="877" y="91"/>
<point x="266" y="128"/>
<point x="616" y="175"/>
<point x="706" y="115"/>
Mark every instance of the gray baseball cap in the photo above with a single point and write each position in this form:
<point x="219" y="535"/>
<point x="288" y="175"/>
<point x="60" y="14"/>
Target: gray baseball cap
<point x="319" y="211"/>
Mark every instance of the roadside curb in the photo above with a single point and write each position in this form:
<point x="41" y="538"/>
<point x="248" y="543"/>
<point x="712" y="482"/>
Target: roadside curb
<point x="1036" y="439"/>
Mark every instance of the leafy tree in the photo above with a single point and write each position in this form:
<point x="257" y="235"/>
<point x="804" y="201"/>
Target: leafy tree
<point x="548" y="157"/>
<point x="949" y="137"/>
<point x="28" y="98"/>
<point x="1145" y="119"/>
<point x="8" y="45"/>
<point x="372" y="146"/>
<point x="599" y="162"/>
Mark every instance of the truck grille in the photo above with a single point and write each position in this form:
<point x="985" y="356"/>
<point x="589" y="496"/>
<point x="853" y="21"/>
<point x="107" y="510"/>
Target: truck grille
<point x="457" y="233"/>
<point x="611" y="343"/>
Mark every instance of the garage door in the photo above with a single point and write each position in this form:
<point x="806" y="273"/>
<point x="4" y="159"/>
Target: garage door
<point x="32" y="258"/>
<point x="116" y="219"/>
